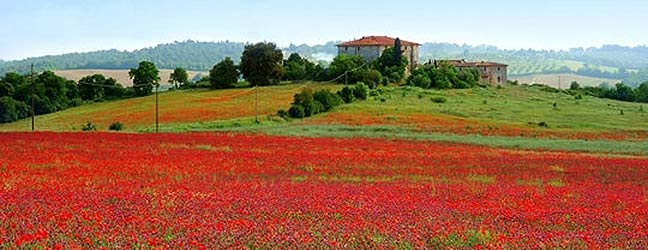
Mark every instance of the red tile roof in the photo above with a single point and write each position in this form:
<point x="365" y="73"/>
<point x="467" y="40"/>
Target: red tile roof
<point x="376" y="41"/>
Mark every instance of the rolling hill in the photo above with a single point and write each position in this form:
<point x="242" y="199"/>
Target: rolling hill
<point x="510" y="115"/>
<point x="610" y="61"/>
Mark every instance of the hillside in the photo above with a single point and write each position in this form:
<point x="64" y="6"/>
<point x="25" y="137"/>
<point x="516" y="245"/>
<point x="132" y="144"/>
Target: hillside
<point x="176" y="108"/>
<point x="610" y="61"/>
<point x="509" y="111"/>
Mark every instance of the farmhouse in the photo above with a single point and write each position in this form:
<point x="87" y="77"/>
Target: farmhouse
<point x="371" y="47"/>
<point x="491" y="72"/>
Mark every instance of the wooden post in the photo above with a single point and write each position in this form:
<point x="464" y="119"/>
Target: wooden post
<point x="157" y="129"/>
<point x="33" y="113"/>
<point x="256" y="103"/>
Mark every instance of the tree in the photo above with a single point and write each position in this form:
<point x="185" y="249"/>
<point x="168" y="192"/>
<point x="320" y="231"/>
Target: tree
<point x="112" y="89"/>
<point x="624" y="93"/>
<point x="179" y="77"/>
<point x="394" y="71"/>
<point x="224" y="74"/>
<point x="574" y="85"/>
<point x="11" y="110"/>
<point x="297" y="68"/>
<point x="350" y="65"/>
<point x="261" y="64"/>
<point x="91" y="87"/>
<point x="642" y="92"/>
<point x="398" y="52"/>
<point x="144" y="78"/>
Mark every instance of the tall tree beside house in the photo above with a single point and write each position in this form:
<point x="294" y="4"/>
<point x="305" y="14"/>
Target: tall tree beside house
<point x="391" y="70"/>
<point x="144" y="78"/>
<point x="179" y="77"/>
<point x="224" y="74"/>
<point x="261" y="64"/>
<point x="398" y="51"/>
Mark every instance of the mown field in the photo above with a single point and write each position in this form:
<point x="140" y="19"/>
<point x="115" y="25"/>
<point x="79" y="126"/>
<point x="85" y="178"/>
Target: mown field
<point x="232" y="190"/>
<point x="121" y="75"/>
<point x="563" y="81"/>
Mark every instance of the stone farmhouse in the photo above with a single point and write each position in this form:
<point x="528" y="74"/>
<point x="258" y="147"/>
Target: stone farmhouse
<point x="371" y="47"/>
<point x="491" y="72"/>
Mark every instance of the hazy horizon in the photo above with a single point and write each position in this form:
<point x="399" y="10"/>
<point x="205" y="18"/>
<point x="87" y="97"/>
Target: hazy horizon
<point x="68" y="26"/>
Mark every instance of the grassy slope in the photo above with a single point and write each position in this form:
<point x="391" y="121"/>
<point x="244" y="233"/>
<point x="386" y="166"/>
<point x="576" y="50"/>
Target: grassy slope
<point x="505" y="117"/>
<point x="178" y="107"/>
<point x="511" y="106"/>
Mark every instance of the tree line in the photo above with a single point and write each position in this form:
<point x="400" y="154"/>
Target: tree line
<point x="619" y="91"/>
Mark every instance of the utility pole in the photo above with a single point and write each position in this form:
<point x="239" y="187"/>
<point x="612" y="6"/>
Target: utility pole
<point x="346" y="78"/>
<point x="156" y="108"/>
<point x="256" y="103"/>
<point x="33" y="113"/>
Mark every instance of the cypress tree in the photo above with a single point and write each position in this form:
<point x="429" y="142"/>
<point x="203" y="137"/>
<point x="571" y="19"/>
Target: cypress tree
<point x="398" y="53"/>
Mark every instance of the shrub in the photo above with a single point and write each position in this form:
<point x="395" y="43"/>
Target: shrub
<point x="360" y="91"/>
<point x="347" y="94"/>
<point x="439" y="99"/>
<point x="420" y="80"/>
<point x="282" y="113"/>
<point x="296" y="111"/>
<point x="327" y="99"/>
<point x="89" y="127"/>
<point x="116" y="126"/>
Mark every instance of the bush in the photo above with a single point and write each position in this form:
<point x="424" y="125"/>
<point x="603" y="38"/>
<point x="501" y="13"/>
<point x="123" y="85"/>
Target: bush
<point x="11" y="110"/>
<point x="419" y="80"/>
<point x="327" y="99"/>
<point x="360" y="91"/>
<point x="439" y="99"/>
<point x="296" y="111"/>
<point x="116" y="126"/>
<point x="282" y="113"/>
<point x="373" y="78"/>
<point x="89" y="127"/>
<point x="347" y="94"/>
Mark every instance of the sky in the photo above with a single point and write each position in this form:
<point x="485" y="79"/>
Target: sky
<point x="31" y="28"/>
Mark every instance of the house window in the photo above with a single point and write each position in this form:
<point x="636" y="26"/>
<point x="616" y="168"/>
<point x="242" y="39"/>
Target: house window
<point x="498" y="69"/>
<point x="484" y="68"/>
<point x="499" y="79"/>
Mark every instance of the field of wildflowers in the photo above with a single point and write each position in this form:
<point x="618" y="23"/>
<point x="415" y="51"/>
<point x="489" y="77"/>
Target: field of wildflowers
<point x="224" y="190"/>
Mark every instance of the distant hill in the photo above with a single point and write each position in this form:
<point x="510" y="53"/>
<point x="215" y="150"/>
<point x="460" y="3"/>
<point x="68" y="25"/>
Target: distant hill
<point x="609" y="61"/>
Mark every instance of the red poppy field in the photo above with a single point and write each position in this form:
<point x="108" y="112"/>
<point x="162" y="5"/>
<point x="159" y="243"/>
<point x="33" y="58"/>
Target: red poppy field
<point x="215" y="191"/>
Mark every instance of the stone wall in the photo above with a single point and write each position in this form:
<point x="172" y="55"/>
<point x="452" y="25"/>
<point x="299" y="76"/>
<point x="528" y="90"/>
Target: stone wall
<point x="495" y="75"/>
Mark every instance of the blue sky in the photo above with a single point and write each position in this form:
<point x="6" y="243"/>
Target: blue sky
<point x="38" y="27"/>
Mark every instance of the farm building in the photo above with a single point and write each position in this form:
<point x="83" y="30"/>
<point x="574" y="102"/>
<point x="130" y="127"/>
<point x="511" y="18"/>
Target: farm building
<point x="371" y="47"/>
<point x="491" y="72"/>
